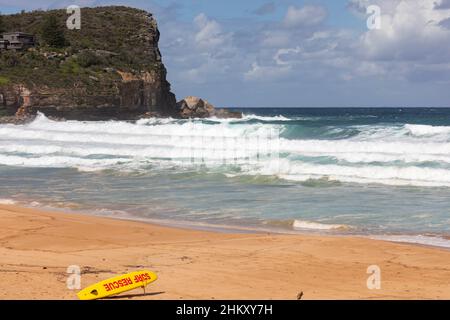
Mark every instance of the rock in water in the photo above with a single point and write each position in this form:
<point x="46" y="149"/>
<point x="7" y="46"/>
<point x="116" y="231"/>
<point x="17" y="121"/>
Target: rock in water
<point x="195" y="107"/>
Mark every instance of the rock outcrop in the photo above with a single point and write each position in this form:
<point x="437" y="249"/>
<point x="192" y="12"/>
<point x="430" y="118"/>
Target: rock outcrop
<point x="195" y="107"/>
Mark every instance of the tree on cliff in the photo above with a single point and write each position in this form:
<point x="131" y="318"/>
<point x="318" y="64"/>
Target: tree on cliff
<point x="53" y="33"/>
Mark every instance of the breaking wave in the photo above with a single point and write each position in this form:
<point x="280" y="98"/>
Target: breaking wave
<point x="7" y="201"/>
<point x="293" y="149"/>
<point x="309" y="225"/>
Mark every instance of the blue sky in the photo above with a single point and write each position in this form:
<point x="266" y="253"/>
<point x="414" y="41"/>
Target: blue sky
<point x="295" y="53"/>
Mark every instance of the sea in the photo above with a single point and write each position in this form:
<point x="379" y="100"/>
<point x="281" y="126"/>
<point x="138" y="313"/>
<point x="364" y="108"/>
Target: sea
<point x="374" y="172"/>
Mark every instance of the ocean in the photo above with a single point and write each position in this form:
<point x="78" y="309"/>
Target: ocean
<point x="375" y="172"/>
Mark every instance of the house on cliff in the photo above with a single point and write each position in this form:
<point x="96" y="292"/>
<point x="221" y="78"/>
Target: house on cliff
<point x="16" y="41"/>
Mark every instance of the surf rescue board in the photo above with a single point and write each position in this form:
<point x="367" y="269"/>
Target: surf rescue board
<point x="118" y="284"/>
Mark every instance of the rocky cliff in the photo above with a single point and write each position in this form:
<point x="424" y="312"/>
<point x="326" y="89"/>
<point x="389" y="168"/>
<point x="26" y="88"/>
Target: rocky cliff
<point x="109" y="69"/>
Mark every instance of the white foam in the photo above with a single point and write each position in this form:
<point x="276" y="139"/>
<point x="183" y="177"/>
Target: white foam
<point x="391" y="175"/>
<point x="426" y="130"/>
<point x="247" y="117"/>
<point x="417" y="239"/>
<point x="58" y="162"/>
<point x="309" y="225"/>
<point x="7" y="201"/>
<point x="380" y="154"/>
<point x="392" y="148"/>
<point x="73" y="143"/>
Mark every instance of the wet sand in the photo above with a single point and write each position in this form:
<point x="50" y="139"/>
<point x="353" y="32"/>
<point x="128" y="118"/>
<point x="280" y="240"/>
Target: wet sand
<point x="37" y="246"/>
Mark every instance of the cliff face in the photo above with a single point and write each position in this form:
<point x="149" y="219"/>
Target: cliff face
<point x="110" y="69"/>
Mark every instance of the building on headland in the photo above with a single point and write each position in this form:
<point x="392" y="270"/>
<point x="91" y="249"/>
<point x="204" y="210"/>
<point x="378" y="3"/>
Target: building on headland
<point x="16" y="41"/>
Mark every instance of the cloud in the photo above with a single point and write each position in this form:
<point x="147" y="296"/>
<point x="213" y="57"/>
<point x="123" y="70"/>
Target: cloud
<point x="265" y="9"/>
<point x="282" y="53"/>
<point x="445" y="23"/>
<point x="212" y="56"/>
<point x="442" y="4"/>
<point x="324" y="55"/>
<point x="412" y="46"/>
<point x="25" y="4"/>
<point x="65" y="3"/>
<point x="199" y="51"/>
<point x="209" y="34"/>
<point x="276" y="38"/>
<point x="305" y="16"/>
<point x="358" y="7"/>
<point x="411" y="31"/>
<point x="47" y="4"/>
<point x="266" y="73"/>
<point x="429" y="73"/>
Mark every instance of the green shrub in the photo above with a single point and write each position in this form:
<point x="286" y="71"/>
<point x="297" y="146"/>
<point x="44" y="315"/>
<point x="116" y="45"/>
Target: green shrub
<point x="52" y="32"/>
<point x="3" y="81"/>
<point x="70" y="66"/>
<point x="87" y="59"/>
<point x="10" y="59"/>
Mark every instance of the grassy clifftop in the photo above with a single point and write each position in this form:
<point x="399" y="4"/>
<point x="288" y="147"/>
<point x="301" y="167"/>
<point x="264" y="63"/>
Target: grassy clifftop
<point x="110" y="38"/>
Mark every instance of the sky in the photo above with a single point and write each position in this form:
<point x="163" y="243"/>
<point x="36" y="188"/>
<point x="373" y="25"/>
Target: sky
<point x="296" y="53"/>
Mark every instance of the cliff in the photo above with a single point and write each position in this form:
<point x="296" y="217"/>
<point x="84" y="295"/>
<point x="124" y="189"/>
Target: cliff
<point x="109" y="69"/>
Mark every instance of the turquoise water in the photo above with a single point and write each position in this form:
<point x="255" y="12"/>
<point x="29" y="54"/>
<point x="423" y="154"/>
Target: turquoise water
<point x="376" y="172"/>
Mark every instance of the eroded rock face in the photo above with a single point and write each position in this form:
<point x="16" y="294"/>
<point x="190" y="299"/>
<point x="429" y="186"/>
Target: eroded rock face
<point x="133" y="99"/>
<point x="195" y="107"/>
<point x="10" y="99"/>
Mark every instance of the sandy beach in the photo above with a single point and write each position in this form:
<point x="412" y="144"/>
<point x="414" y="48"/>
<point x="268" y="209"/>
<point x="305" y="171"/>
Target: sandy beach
<point x="36" y="247"/>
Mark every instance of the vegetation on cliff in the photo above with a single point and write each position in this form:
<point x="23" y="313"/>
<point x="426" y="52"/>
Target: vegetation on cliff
<point x="52" y="33"/>
<point x="110" y="37"/>
<point x="2" y="24"/>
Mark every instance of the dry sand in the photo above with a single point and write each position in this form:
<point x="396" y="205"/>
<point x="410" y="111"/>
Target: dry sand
<point x="36" y="247"/>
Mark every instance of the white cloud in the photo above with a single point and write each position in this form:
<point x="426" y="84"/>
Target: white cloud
<point x="199" y="51"/>
<point x="358" y="7"/>
<point x="26" y="4"/>
<point x="409" y="31"/>
<point x="208" y="71"/>
<point x="266" y="73"/>
<point x="305" y="16"/>
<point x="276" y="38"/>
<point x="209" y="35"/>
<point x="442" y="4"/>
<point x="279" y="55"/>
<point x="45" y="4"/>
<point x="210" y="55"/>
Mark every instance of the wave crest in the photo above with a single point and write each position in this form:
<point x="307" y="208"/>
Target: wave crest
<point x="416" y="155"/>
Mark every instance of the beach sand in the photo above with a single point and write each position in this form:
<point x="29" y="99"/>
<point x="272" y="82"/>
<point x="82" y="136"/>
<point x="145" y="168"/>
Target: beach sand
<point x="36" y="247"/>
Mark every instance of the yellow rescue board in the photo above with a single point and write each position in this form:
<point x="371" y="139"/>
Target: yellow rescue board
<point x="116" y="285"/>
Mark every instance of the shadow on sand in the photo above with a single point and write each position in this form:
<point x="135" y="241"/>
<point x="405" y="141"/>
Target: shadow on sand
<point x="136" y="295"/>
